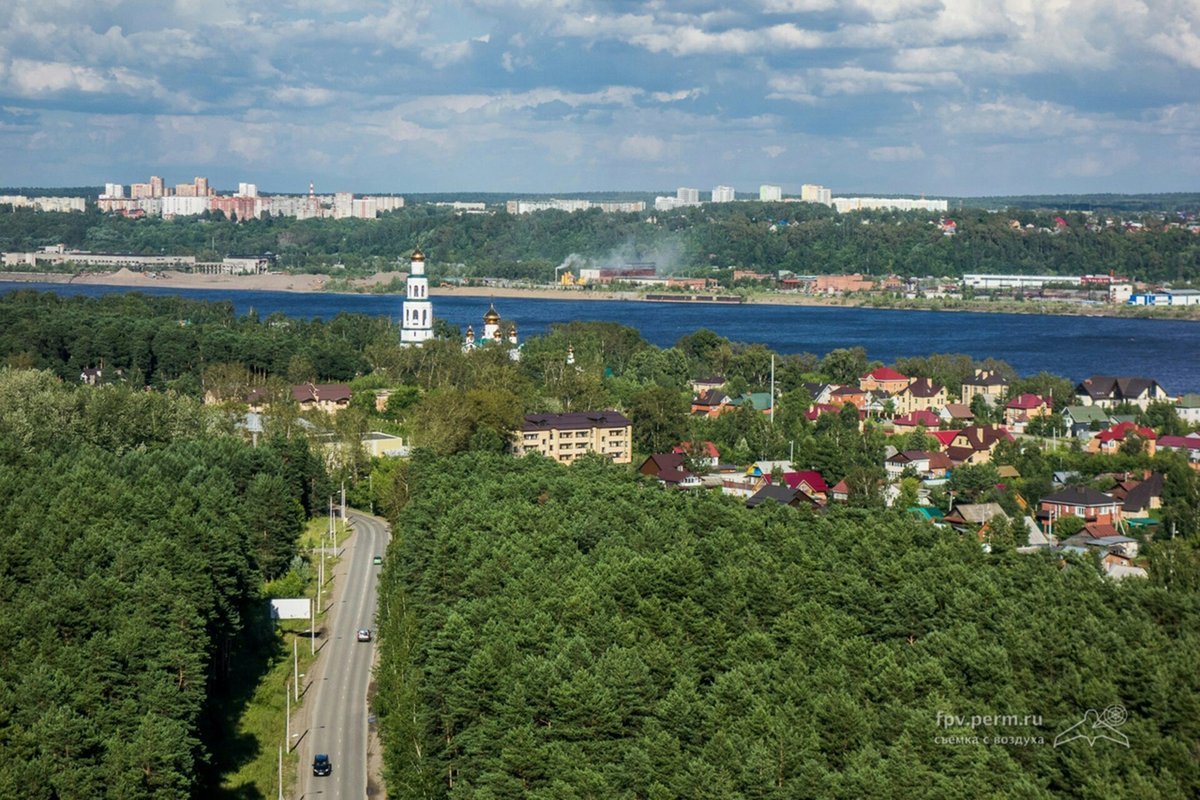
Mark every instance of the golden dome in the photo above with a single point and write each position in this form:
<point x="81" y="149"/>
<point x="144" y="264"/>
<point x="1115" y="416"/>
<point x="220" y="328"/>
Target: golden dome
<point x="418" y="255"/>
<point x="491" y="317"/>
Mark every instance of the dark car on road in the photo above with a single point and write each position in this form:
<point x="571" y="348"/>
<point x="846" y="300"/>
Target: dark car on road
<point x="322" y="766"/>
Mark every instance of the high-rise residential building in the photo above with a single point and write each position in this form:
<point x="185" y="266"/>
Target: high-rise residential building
<point x="417" y="327"/>
<point x="156" y="186"/>
<point x="202" y="189"/>
<point x="686" y="196"/>
<point x="845" y="204"/>
<point x="247" y="190"/>
<point x="769" y="193"/>
<point x="114" y="191"/>
<point x="813" y="193"/>
<point x="722" y="194"/>
<point x="342" y="204"/>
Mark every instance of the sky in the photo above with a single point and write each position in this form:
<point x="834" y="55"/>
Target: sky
<point x="932" y="97"/>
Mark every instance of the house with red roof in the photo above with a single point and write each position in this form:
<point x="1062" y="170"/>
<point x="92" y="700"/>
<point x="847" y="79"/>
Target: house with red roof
<point x="945" y="438"/>
<point x="1025" y="407"/>
<point x="883" y="378"/>
<point x="848" y="394"/>
<point x="915" y="419"/>
<point x="702" y="453"/>
<point x="840" y="493"/>
<point x="808" y="481"/>
<point x="1188" y="445"/>
<point x="1110" y="441"/>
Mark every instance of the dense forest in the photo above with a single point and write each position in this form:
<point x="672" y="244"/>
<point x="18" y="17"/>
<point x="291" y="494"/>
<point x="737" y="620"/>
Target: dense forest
<point x="801" y="237"/>
<point x="135" y="536"/>
<point x="556" y="632"/>
<point x="449" y="401"/>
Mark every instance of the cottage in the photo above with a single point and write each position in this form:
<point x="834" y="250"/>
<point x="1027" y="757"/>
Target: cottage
<point x="808" y="481"/>
<point x="1025" y="407"/>
<point x="327" y="397"/>
<point x="976" y="443"/>
<point x="987" y="384"/>
<point x="1108" y="391"/>
<point x="1111" y="440"/>
<point x="784" y="495"/>
<point x="1188" y="445"/>
<point x="1083" y="421"/>
<point x="921" y="393"/>
<point x="1089" y="505"/>
<point x="703" y="454"/>
<point x="883" y="378"/>
<point x="1187" y="408"/>
<point x="670" y="470"/>
<point x="710" y="403"/>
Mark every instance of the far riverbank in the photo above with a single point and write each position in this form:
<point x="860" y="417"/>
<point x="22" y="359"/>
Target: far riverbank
<point x="381" y="282"/>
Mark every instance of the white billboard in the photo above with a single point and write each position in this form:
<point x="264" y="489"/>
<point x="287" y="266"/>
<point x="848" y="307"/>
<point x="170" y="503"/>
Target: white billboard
<point x="291" y="608"/>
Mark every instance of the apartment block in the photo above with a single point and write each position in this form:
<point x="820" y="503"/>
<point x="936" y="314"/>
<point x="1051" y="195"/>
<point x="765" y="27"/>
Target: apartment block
<point x="565" y="437"/>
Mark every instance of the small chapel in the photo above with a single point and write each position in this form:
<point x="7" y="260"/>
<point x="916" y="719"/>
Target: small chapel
<point x="492" y="336"/>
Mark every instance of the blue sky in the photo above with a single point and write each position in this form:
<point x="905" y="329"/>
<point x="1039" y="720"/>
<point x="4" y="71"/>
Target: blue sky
<point x="940" y="97"/>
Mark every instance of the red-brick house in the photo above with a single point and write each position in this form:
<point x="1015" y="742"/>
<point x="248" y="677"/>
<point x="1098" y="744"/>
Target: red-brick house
<point x="883" y="379"/>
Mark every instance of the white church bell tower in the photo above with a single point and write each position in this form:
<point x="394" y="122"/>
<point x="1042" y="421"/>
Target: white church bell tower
<point x="417" y="327"/>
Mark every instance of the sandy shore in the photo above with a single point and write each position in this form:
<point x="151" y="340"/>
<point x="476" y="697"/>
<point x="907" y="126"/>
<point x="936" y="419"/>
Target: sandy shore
<point x="279" y="282"/>
<point x="320" y="283"/>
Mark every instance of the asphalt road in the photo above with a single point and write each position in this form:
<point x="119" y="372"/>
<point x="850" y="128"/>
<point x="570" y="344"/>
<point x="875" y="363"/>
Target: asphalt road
<point x="338" y="698"/>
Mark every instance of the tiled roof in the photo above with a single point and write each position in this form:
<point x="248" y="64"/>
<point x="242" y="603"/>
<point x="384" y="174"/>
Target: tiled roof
<point x="809" y="476"/>
<point x="321" y="392"/>
<point x="1118" y="432"/>
<point x="1026" y="401"/>
<point x="885" y="374"/>
<point x="923" y="417"/>
<point x="992" y="379"/>
<point x="1115" y="388"/>
<point x="1139" y="496"/>
<point x="575" y="420"/>
<point x="1079" y="496"/>
<point x="923" y="387"/>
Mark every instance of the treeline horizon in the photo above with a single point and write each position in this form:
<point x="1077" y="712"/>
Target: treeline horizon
<point x="705" y="240"/>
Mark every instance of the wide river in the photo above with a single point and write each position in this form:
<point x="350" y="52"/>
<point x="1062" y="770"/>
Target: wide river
<point x="1167" y="350"/>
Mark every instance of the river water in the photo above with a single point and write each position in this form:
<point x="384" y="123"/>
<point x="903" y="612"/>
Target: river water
<point x="1072" y="346"/>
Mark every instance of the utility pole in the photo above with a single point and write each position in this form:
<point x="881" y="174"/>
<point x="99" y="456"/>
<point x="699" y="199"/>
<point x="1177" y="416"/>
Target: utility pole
<point x="343" y="503"/>
<point x="281" y="773"/>
<point x="312" y="628"/>
<point x="772" y="388"/>
<point x="287" y="715"/>
<point x="296" y="666"/>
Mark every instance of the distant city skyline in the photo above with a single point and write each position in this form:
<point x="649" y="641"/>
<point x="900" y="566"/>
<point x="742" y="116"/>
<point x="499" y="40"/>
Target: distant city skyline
<point x="951" y="99"/>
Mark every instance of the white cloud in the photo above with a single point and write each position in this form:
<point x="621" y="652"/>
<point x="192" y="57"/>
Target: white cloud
<point x="642" y="148"/>
<point x="896" y="153"/>
<point x="774" y="150"/>
<point x="675" y="97"/>
<point x="856" y="80"/>
<point x="1179" y="41"/>
<point x="1015" y="117"/>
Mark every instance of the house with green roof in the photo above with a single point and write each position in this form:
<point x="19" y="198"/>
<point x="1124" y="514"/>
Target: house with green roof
<point x="756" y="400"/>
<point x="1083" y="421"/>
<point x="1187" y="408"/>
